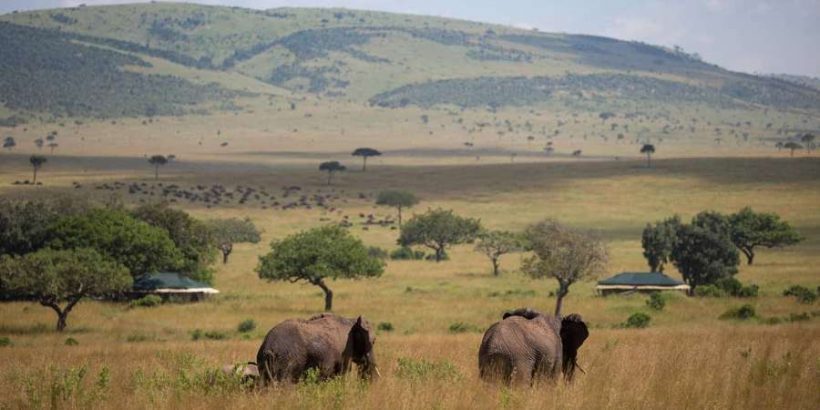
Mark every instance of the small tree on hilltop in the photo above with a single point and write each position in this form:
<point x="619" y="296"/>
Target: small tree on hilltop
<point x="703" y="256"/>
<point x="438" y="229"/>
<point x="808" y="139"/>
<point x="37" y="162"/>
<point x="495" y="244"/>
<point x="331" y="167"/>
<point x="562" y="253"/>
<point x="658" y="240"/>
<point x="9" y="143"/>
<point x="751" y="229"/>
<point x="397" y="199"/>
<point x="53" y="277"/>
<point x="648" y="149"/>
<point x="792" y="146"/>
<point x="365" y="153"/>
<point x="157" y="161"/>
<point x="317" y="254"/>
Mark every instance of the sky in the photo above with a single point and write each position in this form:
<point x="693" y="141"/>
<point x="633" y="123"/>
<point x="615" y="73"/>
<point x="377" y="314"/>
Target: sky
<point x="754" y="36"/>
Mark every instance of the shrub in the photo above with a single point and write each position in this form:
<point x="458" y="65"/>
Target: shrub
<point x="376" y="252"/>
<point x="709" y="291"/>
<point x="385" y="327"/>
<point x="744" y="312"/>
<point x="146" y="301"/>
<point x="461" y="327"/>
<point x="246" y="326"/>
<point x="5" y="341"/>
<point x="431" y="257"/>
<point x="406" y="253"/>
<point x="803" y="294"/>
<point x="656" y="301"/>
<point x="799" y="317"/>
<point x="140" y="337"/>
<point x="748" y="291"/>
<point x="71" y="342"/>
<point x="730" y="285"/>
<point x="637" y="320"/>
<point x="420" y="369"/>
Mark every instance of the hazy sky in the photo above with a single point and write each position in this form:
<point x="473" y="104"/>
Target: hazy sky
<point x="765" y="36"/>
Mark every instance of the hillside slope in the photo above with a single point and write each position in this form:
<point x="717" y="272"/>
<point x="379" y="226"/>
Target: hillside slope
<point x="381" y="59"/>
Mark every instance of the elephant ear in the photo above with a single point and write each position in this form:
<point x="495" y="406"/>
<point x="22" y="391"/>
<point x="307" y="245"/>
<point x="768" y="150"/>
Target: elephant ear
<point x="359" y="339"/>
<point x="573" y="334"/>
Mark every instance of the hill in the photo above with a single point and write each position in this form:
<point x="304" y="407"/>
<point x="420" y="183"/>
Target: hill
<point x="152" y="59"/>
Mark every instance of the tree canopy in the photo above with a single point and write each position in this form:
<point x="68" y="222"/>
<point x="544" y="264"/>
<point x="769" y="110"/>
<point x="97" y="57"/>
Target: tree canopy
<point x="157" y="161"/>
<point x="648" y="150"/>
<point x="438" y="229"/>
<point x="703" y="256"/>
<point x="495" y="244"/>
<point x="317" y="254"/>
<point x="750" y="229"/>
<point x="397" y="199"/>
<point x="562" y="253"/>
<point x="658" y="240"/>
<point x="25" y="226"/>
<point x="55" y="277"/>
<point x="37" y="162"/>
<point x="365" y="153"/>
<point x="331" y="167"/>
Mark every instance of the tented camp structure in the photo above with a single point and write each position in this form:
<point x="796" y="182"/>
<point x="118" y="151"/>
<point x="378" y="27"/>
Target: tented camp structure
<point x="171" y="285"/>
<point x="639" y="282"/>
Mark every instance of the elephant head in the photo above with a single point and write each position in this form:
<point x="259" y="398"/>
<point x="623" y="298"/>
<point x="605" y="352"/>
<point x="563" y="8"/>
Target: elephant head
<point x="359" y="349"/>
<point x="573" y="334"/>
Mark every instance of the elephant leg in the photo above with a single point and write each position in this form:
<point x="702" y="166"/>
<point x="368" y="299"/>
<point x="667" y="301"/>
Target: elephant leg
<point x="496" y="368"/>
<point x="522" y="372"/>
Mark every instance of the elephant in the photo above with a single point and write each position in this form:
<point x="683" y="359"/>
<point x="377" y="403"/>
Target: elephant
<point x="247" y="373"/>
<point x="326" y="343"/>
<point x="526" y="345"/>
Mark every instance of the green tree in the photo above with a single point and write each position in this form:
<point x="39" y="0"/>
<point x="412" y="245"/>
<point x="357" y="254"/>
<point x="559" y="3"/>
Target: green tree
<point x="138" y="246"/>
<point x="37" y="162"/>
<point x="562" y="253"/>
<point x="227" y="232"/>
<point x="191" y="237"/>
<point x="703" y="256"/>
<point x="658" y="240"/>
<point x="365" y="153"/>
<point x="438" y="229"/>
<point x="25" y="226"/>
<point x="750" y="229"/>
<point x="9" y="143"/>
<point x="808" y="139"/>
<point x="495" y="244"/>
<point x="57" y="277"/>
<point x="648" y="150"/>
<point x="157" y="161"/>
<point x="331" y="167"/>
<point x="317" y="254"/>
<point x="792" y="146"/>
<point x="714" y="222"/>
<point x="397" y="199"/>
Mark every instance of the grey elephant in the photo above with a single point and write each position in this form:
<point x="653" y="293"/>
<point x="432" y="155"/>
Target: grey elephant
<point x="326" y="343"/>
<point x="526" y="345"/>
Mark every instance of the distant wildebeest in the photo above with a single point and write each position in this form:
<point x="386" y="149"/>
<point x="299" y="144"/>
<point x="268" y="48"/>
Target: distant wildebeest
<point x="326" y="343"/>
<point x="526" y="345"/>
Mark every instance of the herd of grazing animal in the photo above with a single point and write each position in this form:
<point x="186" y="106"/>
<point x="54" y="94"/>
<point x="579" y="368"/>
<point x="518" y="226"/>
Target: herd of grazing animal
<point x="523" y="347"/>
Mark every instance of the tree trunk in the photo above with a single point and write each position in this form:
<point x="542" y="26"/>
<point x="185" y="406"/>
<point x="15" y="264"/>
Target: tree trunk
<point x="225" y="257"/>
<point x="439" y="254"/>
<point x="495" y="267"/>
<point x="750" y="255"/>
<point x="399" y="216"/>
<point x="563" y="289"/>
<point x="35" y="176"/>
<point x="61" y="321"/>
<point x="364" y="163"/>
<point x="648" y="160"/>
<point x="328" y="294"/>
<point x="329" y="177"/>
<point x="792" y="152"/>
<point x="156" y="172"/>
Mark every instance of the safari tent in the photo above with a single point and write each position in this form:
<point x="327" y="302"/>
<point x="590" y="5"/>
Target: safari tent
<point x="625" y="282"/>
<point x="171" y="285"/>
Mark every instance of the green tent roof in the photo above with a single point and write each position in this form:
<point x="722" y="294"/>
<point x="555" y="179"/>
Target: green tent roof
<point x="641" y="278"/>
<point x="166" y="280"/>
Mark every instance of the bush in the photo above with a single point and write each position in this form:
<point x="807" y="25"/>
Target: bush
<point x="421" y="369"/>
<point x="709" y="291"/>
<point x="637" y="321"/>
<point x="461" y="327"/>
<point x="385" y="327"/>
<point x="246" y="326"/>
<point x="730" y="285"/>
<point x="748" y="291"/>
<point x="803" y="294"/>
<point x="744" y="312"/>
<point x="406" y="253"/>
<point x="5" y="341"/>
<point x="799" y="317"/>
<point x="656" y="301"/>
<point x="376" y="252"/>
<point x="71" y="342"/>
<point x="146" y="301"/>
<point x="432" y="257"/>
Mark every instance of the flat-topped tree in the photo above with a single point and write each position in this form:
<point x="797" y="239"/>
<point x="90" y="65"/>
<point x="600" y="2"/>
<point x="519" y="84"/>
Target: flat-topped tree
<point x="808" y="139"/>
<point x="439" y="229"/>
<point x="562" y="253"/>
<point x="59" y="279"/>
<point x="365" y="153"/>
<point x="750" y="229"/>
<point x="397" y="199"/>
<point x="9" y="143"/>
<point x="37" y="162"/>
<point x="316" y="255"/>
<point x="792" y="146"/>
<point x="157" y="161"/>
<point x="648" y="150"/>
<point x="331" y="167"/>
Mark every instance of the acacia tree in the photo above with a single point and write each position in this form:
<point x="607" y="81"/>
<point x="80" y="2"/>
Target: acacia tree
<point x="317" y="254"/>
<point x="648" y="149"/>
<point x="55" y="277"/>
<point x="227" y="232"/>
<point x="792" y="146"/>
<point x="495" y="244"/>
<point x="157" y="161"/>
<point x="563" y="253"/>
<point x="808" y="139"/>
<point x="658" y="240"/>
<point x="397" y="199"/>
<point x="51" y="146"/>
<point x="365" y="153"/>
<point x="703" y="256"/>
<point x="438" y="229"/>
<point x="9" y="143"/>
<point x="750" y="229"/>
<point x="37" y="162"/>
<point x="331" y="167"/>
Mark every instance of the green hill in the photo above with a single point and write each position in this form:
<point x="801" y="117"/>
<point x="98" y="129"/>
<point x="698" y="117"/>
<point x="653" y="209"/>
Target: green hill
<point x="150" y="59"/>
